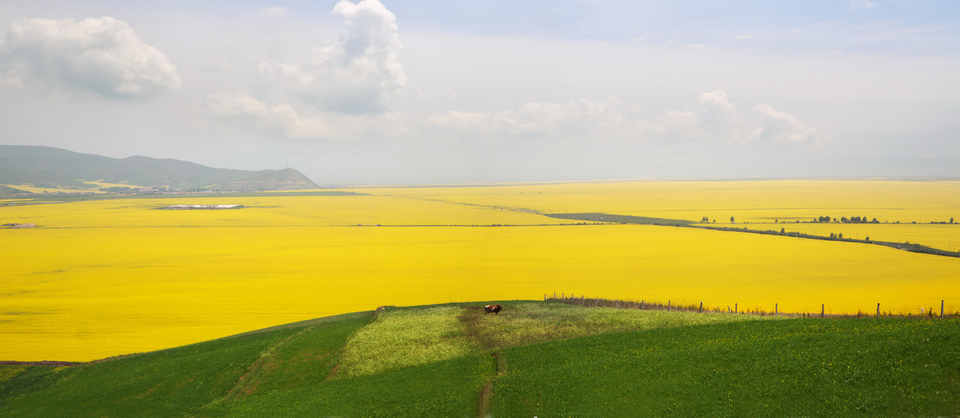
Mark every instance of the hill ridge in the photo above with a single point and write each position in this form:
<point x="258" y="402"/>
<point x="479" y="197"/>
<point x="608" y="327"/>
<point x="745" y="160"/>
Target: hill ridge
<point x="26" y="164"/>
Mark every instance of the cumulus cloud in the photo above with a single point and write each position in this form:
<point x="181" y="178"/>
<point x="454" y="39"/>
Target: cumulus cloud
<point x="715" y="120"/>
<point x="560" y="120"/>
<point x="358" y="72"/>
<point x="718" y="120"/>
<point x="781" y="127"/>
<point x="282" y="120"/>
<point x="718" y="116"/>
<point x="102" y="56"/>
<point x="273" y="11"/>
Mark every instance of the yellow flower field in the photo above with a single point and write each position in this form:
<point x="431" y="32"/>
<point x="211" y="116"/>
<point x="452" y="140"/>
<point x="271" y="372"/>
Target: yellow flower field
<point x="944" y="237"/>
<point x="104" y="278"/>
<point x="91" y="187"/>
<point x="746" y="200"/>
<point x="292" y="211"/>
<point x="751" y="202"/>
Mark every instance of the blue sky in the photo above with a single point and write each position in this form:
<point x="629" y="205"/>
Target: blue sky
<point x="458" y="91"/>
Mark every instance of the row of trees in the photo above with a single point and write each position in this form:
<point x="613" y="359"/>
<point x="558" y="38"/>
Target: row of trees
<point x="827" y="219"/>
<point x="853" y="220"/>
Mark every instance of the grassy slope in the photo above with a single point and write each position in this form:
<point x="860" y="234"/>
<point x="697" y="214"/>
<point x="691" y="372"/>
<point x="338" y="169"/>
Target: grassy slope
<point x="197" y="379"/>
<point x="518" y="367"/>
<point x="781" y="368"/>
<point x="445" y="388"/>
<point x="169" y="382"/>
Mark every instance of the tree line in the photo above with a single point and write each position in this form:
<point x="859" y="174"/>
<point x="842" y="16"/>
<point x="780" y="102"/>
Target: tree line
<point x="853" y="220"/>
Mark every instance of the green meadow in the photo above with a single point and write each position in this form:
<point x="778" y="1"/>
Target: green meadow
<point x="534" y="358"/>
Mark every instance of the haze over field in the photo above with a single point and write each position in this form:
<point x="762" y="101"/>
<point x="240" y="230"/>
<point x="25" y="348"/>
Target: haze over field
<point x="453" y="91"/>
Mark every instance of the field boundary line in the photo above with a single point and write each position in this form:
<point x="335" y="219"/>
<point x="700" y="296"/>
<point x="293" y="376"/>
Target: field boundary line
<point x="648" y="305"/>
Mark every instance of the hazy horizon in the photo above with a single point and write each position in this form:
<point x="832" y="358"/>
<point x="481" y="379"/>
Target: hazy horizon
<point x="457" y="92"/>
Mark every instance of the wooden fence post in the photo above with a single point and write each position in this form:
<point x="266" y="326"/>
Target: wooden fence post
<point x="822" y="309"/>
<point x="941" y="308"/>
<point x="776" y="307"/>
<point x="878" y="310"/>
<point x="734" y="308"/>
<point x="641" y="304"/>
<point x="701" y="306"/>
<point x="668" y="305"/>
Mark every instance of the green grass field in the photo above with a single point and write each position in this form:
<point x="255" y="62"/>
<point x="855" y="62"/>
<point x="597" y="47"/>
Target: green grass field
<point x="535" y="358"/>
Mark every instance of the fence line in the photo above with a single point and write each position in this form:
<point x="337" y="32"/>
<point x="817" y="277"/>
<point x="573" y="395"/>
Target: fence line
<point x="701" y="308"/>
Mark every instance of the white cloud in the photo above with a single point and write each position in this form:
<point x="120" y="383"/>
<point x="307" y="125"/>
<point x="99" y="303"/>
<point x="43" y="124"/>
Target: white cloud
<point x="359" y="72"/>
<point x="647" y="36"/>
<point x="577" y="119"/>
<point x="273" y="11"/>
<point x="281" y="119"/>
<point x="742" y="37"/>
<point x="862" y="4"/>
<point x="715" y="120"/>
<point x="781" y="127"/>
<point x="718" y="117"/>
<point x="718" y="99"/>
<point x="102" y="56"/>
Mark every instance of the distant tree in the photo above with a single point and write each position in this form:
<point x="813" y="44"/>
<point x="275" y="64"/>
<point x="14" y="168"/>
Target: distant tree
<point x="844" y="219"/>
<point x="867" y="239"/>
<point x="951" y="220"/>
<point x="840" y="235"/>
<point x="832" y="235"/>
<point x="782" y="230"/>
<point x="875" y="221"/>
<point x="731" y="219"/>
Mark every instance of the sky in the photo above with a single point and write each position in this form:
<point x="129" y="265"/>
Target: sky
<point x="455" y="91"/>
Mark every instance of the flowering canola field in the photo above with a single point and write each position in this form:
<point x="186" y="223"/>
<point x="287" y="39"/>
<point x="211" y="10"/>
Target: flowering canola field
<point x="110" y="277"/>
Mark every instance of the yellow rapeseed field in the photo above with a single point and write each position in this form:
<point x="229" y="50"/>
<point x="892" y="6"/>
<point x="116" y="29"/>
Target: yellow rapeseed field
<point x="260" y="211"/>
<point x="109" y="277"/>
<point x="91" y="187"/>
<point x="767" y="203"/>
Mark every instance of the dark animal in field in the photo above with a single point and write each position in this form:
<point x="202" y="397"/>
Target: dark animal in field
<point x="495" y="309"/>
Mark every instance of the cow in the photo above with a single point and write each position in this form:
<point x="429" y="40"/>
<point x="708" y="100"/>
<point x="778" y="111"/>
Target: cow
<point x="492" y="308"/>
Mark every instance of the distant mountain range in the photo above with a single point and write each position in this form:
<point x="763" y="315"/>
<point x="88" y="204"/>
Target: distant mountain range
<point x="59" y="168"/>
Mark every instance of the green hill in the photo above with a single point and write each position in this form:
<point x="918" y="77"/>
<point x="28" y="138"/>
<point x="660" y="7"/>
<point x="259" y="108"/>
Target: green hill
<point x="58" y="167"/>
<point x="533" y="359"/>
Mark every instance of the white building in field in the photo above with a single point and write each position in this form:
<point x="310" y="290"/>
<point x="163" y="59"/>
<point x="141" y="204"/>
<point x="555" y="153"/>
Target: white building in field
<point x="208" y="207"/>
